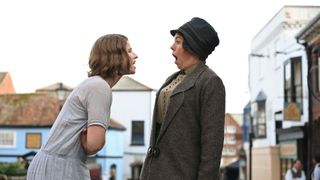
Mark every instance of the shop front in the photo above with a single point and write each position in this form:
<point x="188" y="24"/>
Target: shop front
<point x="292" y="143"/>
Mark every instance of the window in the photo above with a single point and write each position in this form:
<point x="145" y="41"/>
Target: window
<point x="230" y="129"/>
<point x="7" y="139"/>
<point x="230" y="140"/>
<point x="135" y="170"/>
<point x="293" y="82"/>
<point x="137" y="137"/>
<point x="259" y="123"/>
<point x="228" y="151"/>
<point x="33" y="140"/>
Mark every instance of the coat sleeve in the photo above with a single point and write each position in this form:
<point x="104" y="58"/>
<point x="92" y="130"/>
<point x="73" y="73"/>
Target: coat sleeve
<point x="212" y="114"/>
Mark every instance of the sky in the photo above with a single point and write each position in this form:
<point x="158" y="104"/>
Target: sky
<point x="47" y="41"/>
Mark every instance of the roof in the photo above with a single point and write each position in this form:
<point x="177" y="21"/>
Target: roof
<point x="2" y="75"/>
<point x="238" y="118"/>
<point x="230" y="120"/>
<point x="54" y="87"/>
<point x="28" y="109"/>
<point x="261" y="97"/>
<point x="247" y="108"/>
<point x="6" y="85"/>
<point x="34" y="110"/>
<point x="290" y="19"/>
<point x="311" y="30"/>
<point x="116" y="125"/>
<point x="127" y="83"/>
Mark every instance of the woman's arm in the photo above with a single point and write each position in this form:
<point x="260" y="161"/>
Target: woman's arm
<point x="212" y="128"/>
<point x="93" y="139"/>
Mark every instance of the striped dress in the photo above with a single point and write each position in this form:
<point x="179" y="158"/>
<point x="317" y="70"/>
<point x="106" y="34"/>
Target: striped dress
<point x="62" y="156"/>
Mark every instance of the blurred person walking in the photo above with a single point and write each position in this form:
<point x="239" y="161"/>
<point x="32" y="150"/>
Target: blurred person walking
<point x="296" y="172"/>
<point x="316" y="170"/>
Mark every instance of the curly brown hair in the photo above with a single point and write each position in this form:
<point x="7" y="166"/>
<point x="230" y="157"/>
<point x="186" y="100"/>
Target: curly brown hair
<point x="109" y="56"/>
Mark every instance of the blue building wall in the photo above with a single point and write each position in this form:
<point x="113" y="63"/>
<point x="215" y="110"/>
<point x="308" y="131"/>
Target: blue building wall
<point x="20" y="147"/>
<point x="112" y="152"/>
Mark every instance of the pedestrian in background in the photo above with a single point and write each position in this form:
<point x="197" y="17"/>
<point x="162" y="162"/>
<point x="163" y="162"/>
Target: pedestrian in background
<point x="81" y="125"/>
<point x="296" y="172"/>
<point x="24" y="162"/>
<point x="316" y="170"/>
<point x="188" y="121"/>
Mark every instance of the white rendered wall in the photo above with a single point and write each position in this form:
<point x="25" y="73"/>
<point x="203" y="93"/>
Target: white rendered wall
<point x="128" y="106"/>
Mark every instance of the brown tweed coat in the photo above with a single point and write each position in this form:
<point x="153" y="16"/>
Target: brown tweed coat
<point x="190" y="141"/>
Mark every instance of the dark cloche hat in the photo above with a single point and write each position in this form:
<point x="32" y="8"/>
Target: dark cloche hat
<point x="199" y="35"/>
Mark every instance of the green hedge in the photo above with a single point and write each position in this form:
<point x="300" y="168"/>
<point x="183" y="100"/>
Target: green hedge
<point x="12" y="169"/>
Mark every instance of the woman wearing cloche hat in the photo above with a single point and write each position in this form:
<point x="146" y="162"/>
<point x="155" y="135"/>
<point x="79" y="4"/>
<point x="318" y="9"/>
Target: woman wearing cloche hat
<point x="188" y="121"/>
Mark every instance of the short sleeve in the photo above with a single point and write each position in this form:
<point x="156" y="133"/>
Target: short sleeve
<point x="98" y="101"/>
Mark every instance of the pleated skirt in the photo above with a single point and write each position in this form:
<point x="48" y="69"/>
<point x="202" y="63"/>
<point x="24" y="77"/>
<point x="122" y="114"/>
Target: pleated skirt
<point x="45" y="166"/>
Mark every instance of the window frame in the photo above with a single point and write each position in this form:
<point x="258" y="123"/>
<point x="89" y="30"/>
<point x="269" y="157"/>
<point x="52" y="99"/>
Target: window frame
<point x="14" y="139"/>
<point x="27" y="142"/>
<point x="135" y="136"/>
<point x="260" y="120"/>
<point x="294" y="83"/>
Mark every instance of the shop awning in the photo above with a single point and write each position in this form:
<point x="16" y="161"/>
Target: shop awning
<point x="292" y="133"/>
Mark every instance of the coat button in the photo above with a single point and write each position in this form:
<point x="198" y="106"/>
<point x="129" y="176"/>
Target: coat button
<point x="150" y="150"/>
<point x="153" y="152"/>
<point x="156" y="152"/>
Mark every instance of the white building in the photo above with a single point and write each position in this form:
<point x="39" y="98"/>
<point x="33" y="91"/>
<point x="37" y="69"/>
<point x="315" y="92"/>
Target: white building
<point x="133" y="106"/>
<point x="279" y="92"/>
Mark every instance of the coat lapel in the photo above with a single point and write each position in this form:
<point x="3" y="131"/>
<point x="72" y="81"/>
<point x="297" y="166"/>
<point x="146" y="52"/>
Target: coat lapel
<point x="177" y="96"/>
<point x="155" y="110"/>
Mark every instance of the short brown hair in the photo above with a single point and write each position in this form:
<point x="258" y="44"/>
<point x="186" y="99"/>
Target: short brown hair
<point x="109" y="56"/>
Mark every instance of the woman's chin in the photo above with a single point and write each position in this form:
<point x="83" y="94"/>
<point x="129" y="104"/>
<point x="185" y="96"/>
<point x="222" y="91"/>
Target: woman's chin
<point x="132" y="71"/>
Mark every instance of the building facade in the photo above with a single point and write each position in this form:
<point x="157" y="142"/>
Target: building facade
<point x="309" y="37"/>
<point x="279" y="94"/>
<point x="133" y="106"/>
<point x="232" y="160"/>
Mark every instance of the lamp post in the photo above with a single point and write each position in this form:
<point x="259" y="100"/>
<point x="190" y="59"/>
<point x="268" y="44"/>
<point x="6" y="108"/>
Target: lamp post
<point x="250" y="147"/>
<point x="62" y="93"/>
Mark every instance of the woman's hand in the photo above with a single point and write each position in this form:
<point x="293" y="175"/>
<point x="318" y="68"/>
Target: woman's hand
<point x="83" y="137"/>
